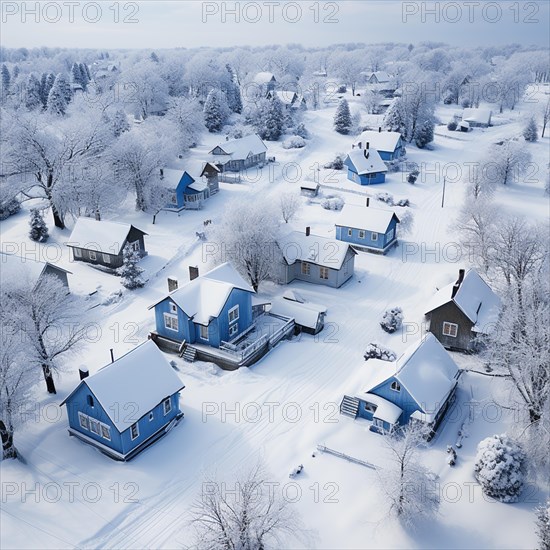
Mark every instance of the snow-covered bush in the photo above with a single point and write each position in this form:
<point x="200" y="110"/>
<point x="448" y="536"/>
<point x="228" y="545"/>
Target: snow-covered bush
<point x="39" y="229"/>
<point x="530" y="132"/>
<point x="294" y="142"/>
<point x="452" y="125"/>
<point x="336" y="164"/>
<point x="301" y="131"/>
<point x="333" y="202"/>
<point x="384" y="197"/>
<point x="130" y="272"/>
<point x="392" y="319"/>
<point x="376" y="351"/>
<point x="413" y="176"/>
<point x="499" y="468"/>
<point x="341" y="89"/>
<point x="543" y="525"/>
<point x="406" y="222"/>
<point x="403" y="202"/>
<point x="9" y="208"/>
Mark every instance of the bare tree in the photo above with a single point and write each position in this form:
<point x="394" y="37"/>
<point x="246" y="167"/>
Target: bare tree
<point x="247" y="514"/>
<point x="509" y="162"/>
<point x="289" y="204"/>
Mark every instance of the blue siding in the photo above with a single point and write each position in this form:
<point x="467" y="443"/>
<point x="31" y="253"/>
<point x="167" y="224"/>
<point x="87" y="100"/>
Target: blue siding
<point x="402" y="399"/>
<point x="367" y="179"/>
<point x="185" y="326"/>
<point x="181" y="190"/>
<point x="382" y="239"/>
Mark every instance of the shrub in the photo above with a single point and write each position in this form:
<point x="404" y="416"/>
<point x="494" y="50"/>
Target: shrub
<point x="39" y="229"/>
<point x="452" y="126"/>
<point x="384" y="197"/>
<point x="342" y="89"/>
<point x="336" y="164"/>
<point x="302" y="131"/>
<point x="9" y="208"/>
<point x="376" y="351"/>
<point x="413" y="176"/>
<point x="333" y="202"/>
<point x="294" y="142"/>
<point x="392" y="319"/>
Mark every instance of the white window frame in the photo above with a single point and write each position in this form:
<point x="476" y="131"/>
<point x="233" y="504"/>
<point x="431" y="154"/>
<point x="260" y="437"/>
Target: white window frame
<point x="395" y="386"/>
<point x="202" y="331"/>
<point x="323" y="273"/>
<point x="233" y="329"/>
<point x="105" y="431"/>
<point x="373" y="236"/>
<point x="361" y="234"/>
<point x="106" y="258"/>
<point x="93" y="255"/>
<point x="170" y="321"/>
<point x="77" y="252"/>
<point x="174" y="198"/>
<point x="95" y="423"/>
<point x="449" y="328"/>
<point x="232" y="311"/>
<point x="167" y="405"/>
<point x="132" y="427"/>
<point x="305" y="268"/>
<point x="84" y="419"/>
<point x="173" y="308"/>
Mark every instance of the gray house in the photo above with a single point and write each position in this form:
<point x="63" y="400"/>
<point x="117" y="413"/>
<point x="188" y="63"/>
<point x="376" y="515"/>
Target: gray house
<point x="102" y="242"/>
<point x="28" y="272"/>
<point x="315" y="259"/>
<point x="235" y="155"/>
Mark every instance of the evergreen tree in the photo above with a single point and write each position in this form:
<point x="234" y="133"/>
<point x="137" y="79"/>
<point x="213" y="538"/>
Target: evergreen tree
<point x="120" y="123"/>
<point x="46" y="85"/>
<point x="76" y="74"/>
<point x="39" y="229"/>
<point x="273" y="120"/>
<point x="425" y="134"/>
<point x="15" y="72"/>
<point x="394" y="118"/>
<point x="342" y="118"/>
<point x="33" y="97"/>
<point x="130" y="272"/>
<point x="154" y="57"/>
<point x="530" y="132"/>
<point x="57" y="104"/>
<point x="6" y="79"/>
<point x="84" y="74"/>
<point x="214" y="110"/>
<point x="543" y="525"/>
<point x="65" y="87"/>
<point x="233" y="92"/>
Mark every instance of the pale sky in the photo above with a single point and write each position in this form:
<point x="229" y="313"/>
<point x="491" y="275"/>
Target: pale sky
<point x="110" y="24"/>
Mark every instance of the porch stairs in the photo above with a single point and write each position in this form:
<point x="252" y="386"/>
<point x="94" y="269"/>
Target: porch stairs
<point x="349" y="406"/>
<point x="189" y="354"/>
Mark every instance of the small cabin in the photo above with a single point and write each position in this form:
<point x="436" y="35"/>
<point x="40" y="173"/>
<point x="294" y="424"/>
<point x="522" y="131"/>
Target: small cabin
<point x="235" y="155"/>
<point x="367" y="228"/>
<point x="477" y="118"/>
<point x="289" y="99"/>
<point x="102" y="242"/>
<point x="462" y="311"/>
<point x="314" y="259"/>
<point x="365" y="166"/>
<point x="419" y="386"/>
<point x="127" y="405"/>
<point x="388" y="144"/>
<point x="309" y="188"/>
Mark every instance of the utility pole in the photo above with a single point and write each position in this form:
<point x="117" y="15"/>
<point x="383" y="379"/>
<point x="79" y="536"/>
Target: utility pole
<point x="443" y="196"/>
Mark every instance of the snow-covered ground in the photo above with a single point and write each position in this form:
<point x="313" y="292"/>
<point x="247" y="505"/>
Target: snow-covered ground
<point x="281" y="408"/>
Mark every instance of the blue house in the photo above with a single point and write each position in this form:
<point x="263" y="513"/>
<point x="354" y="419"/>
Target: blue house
<point x="183" y="191"/>
<point x="388" y="144"/>
<point x="366" y="228"/>
<point x="365" y="166"/>
<point x="419" y="387"/>
<point x="210" y="309"/>
<point x="127" y="405"/>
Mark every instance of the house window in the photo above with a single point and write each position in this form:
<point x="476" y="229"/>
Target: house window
<point x="167" y="406"/>
<point x="107" y="258"/>
<point x="203" y="332"/>
<point x="84" y="421"/>
<point x="323" y="273"/>
<point x="90" y="400"/>
<point x="151" y="416"/>
<point x="171" y="322"/>
<point x="374" y="236"/>
<point x="135" y="246"/>
<point x="361" y="234"/>
<point x="94" y="426"/>
<point x="233" y="314"/>
<point x="369" y="407"/>
<point x="395" y="386"/>
<point x="93" y="255"/>
<point x="134" y="431"/>
<point x="305" y="268"/>
<point x="390" y="234"/>
<point x="174" y="199"/>
<point x="105" y="432"/>
<point x="233" y="329"/>
<point x="173" y="308"/>
<point x="77" y="252"/>
<point x="450" y="329"/>
<point x="350" y="232"/>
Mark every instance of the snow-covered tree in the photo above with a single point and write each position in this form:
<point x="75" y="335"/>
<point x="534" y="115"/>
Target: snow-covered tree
<point x="119" y="123"/>
<point x="392" y="319"/>
<point x="509" y="162"/>
<point x="247" y="237"/>
<point x="57" y="98"/>
<point x="6" y="80"/>
<point x="215" y="111"/>
<point x="545" y="117"/>
<point x="347" y="67"/>
<point x="130" y="272"/>
<point x="500" y="468"/>
<point x="248" y="517"/>
<point x="289" y="204"/>
<point x="531" y="132"/>
<point x="270" y="122"/>
<point x="39" y="229"/>
<point x="32" y="93"/>
<point x="410" y="487"/>
<point x="50" y="321"/>
<point x="46" y="83"/>
<point x="342" y="118"/>
<point x="187" y="116"/>
<point x="425" y="133"/>
<point x="479" y="184"/>
<point x="232" y="91"/>
<point x="543" y="525"/>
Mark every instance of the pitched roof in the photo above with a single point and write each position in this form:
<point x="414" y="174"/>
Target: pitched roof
<point x="381" y="141"/>
<point x="240" y="149"/>
<point x="366" y="218"/>
<point x="20" y="270"/>
<point x="381" y="76"/>
<point x="264" y="77"/>
<point x="142" y="377"/>
<point x="366" y="161"/>
<point x="203" y="298"/>
<point x="474" y="298"/>
<point x="102" y="236"/>
<point x="305" y="314"/>
<point x="172" y="178"/>
<point x="480" y="115"/>
<point x="313" y="249"/>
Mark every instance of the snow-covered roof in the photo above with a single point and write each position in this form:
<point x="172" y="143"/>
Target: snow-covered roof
<point x="203" y="298"/>
<point x="22" y="271"/>
<point x="305" y="314"/>
<point x="287" y="97"/>
<point x="381" y="141"/>
<point x="293" y="295"/>
<point x="102" y="236"/>
<point x="264" y="77"/>
<point x="365" y="218"/>
<point x="474" y="298"/>
<point x="198" y="186"/>
<point x="385" y="410"/>
<point x="142" y="377"/>
<point x="240" y="149"/>
<point x="171" y="178"/>
<point x="381" y="76"/>
<point x="367" y="161"/>
<point x="313" y="249"/>
<point x="479" y="116"/>
<point x="310" y="185"/>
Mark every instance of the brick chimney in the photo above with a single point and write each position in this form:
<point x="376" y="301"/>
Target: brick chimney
<point x="172" y="283"/>
<point x="308" y="231"/>
<point x="193" y="272"/>
<point x="83" y="372"/>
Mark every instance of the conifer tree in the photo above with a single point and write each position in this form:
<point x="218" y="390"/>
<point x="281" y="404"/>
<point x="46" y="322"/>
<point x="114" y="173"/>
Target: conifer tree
<point x="130" y="272"/>
<point x="342" y="118"/>
<point x="39" y="229"/>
